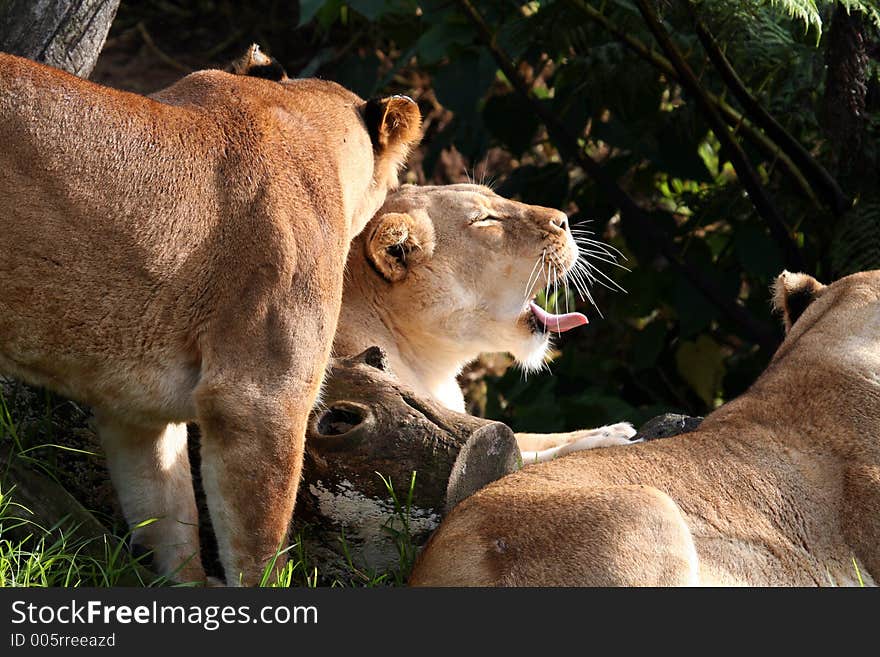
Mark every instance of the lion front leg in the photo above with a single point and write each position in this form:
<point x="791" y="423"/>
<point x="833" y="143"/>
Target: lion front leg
<point x="251" y="452"/>
<point x="149" y="467"/>
<point x="538" y="447"/>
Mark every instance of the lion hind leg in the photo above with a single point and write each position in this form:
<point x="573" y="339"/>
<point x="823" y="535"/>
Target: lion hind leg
<point x="149" y="467"/>
<point x="533" y="533"/>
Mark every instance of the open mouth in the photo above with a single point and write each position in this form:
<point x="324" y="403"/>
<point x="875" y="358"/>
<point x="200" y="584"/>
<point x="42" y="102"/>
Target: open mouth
<point x="540" y="321"/>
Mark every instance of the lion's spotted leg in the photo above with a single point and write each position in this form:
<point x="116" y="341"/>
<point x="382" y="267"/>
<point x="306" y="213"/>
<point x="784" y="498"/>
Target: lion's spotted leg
<point x="251" y="461"/>
<point x="149" y="467"/>
<point x="538" y="447"/>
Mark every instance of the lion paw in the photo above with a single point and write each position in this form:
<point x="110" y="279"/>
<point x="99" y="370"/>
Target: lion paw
<point x="611" y="435"/>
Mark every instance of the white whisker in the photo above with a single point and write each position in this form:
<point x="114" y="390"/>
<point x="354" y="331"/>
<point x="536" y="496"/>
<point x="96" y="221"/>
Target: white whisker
<point x="555" y="293"/>
<point x="565" y="291"/>
<point x="529" y="283"/>
<point x="609" y="261"/>
<point x="547" y="290"/>
<point x="606" y="281"/>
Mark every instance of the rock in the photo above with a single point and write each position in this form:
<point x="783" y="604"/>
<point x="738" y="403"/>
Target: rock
<point x="666" y="426"/>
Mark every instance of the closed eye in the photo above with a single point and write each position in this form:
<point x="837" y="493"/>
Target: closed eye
<point x="485" y="222"/>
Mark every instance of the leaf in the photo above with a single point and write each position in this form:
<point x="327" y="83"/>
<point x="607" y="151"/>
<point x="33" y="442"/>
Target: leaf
<point x="440" y="38"/>
<point x="678" y="135"/>
<point x="856" y="244"/>
<point x="329" y="13"/>
<point x="515" y="35"/>
<point x="806" y="10"/>
<point x="701" y="364"/>
<point x="462" y="83"/>
<point x="868" y="7"/>
<point x="369" y="9"/>
<point x="359" y="74"/>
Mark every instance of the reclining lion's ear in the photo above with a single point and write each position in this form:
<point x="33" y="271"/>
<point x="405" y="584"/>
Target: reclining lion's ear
<point x="792" y="293"/>
<point x="257" y="64"/>
<point x="397" y="242"/>
<point x="392" y="121"/>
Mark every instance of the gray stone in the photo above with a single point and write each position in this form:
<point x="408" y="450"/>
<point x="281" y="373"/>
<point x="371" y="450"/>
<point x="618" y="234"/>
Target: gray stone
<point x="666" y="426"/>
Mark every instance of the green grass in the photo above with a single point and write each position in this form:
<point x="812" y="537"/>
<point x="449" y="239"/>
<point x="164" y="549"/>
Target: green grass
<point x="33" y="555"/>
<point x="52" y="556"/>
<point x="300" y="571"/>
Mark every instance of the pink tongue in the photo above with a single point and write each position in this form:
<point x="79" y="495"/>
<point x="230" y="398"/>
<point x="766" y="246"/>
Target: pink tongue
<point x="558" y="323"/>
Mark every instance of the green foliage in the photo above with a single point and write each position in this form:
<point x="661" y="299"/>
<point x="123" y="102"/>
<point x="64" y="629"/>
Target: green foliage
<point x="37" y="556"/>
<point x="664" y="345"/>
<point x="810" y="12"/>
<point x="856" y="246"/>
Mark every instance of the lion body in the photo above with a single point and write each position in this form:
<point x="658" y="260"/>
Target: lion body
<point x="180" y="258"/>
<point x="778" y="487"/>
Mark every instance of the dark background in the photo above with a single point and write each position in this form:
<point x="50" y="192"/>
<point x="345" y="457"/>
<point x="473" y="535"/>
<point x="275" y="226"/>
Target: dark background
<point x="569" y="80"/>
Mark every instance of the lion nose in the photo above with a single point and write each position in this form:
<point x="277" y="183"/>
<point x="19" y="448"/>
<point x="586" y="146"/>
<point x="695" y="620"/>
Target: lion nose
<point x="559" y="221"/>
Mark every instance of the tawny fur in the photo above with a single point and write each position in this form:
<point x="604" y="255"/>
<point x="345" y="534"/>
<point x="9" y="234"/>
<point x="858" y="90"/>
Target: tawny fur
<point x="439" y="276"/>
<point x="180" y="258"/>
<point x="778" y="487"/>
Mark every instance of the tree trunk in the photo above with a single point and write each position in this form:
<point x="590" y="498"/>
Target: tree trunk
<point x="67" y="34"/>
<point x="846" y="88"/>
<point x="370" y="428"/>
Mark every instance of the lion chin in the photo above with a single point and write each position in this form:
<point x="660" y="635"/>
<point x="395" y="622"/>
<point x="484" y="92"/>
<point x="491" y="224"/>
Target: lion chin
<point x="531" y="352"/>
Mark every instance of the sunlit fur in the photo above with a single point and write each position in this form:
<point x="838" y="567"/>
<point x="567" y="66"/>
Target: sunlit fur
<point x="443" y="274"/>
<point x="179" y="258"/>
<point x="779" y="487"/>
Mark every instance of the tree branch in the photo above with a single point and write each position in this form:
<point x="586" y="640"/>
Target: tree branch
<point x="733" y="118"/>
<point x="814" y="171"/>
<point x="568" y="146"/>
<point x="734" y="152"/>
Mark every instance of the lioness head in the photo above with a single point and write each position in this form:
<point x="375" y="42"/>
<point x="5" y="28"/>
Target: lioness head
<point x="393" y="124"/>
<point x="455" y="270"/>
<point x="836" y="321"/>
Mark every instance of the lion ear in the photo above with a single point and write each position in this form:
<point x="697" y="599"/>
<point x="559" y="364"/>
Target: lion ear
<point x="257" y="64"/>
<point x="397" y="242"/>
<point x="394" y="121"/>
<point x="792" y="293"/>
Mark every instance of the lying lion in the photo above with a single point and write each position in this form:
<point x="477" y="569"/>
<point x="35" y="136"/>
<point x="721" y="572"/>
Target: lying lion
<point x="443" y="274"/>
<point x="778" y="487"/>
<point x="178" y="258"/>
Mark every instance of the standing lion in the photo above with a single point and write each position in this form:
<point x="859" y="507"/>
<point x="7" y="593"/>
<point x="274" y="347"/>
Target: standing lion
<point x="179" y="258"/>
